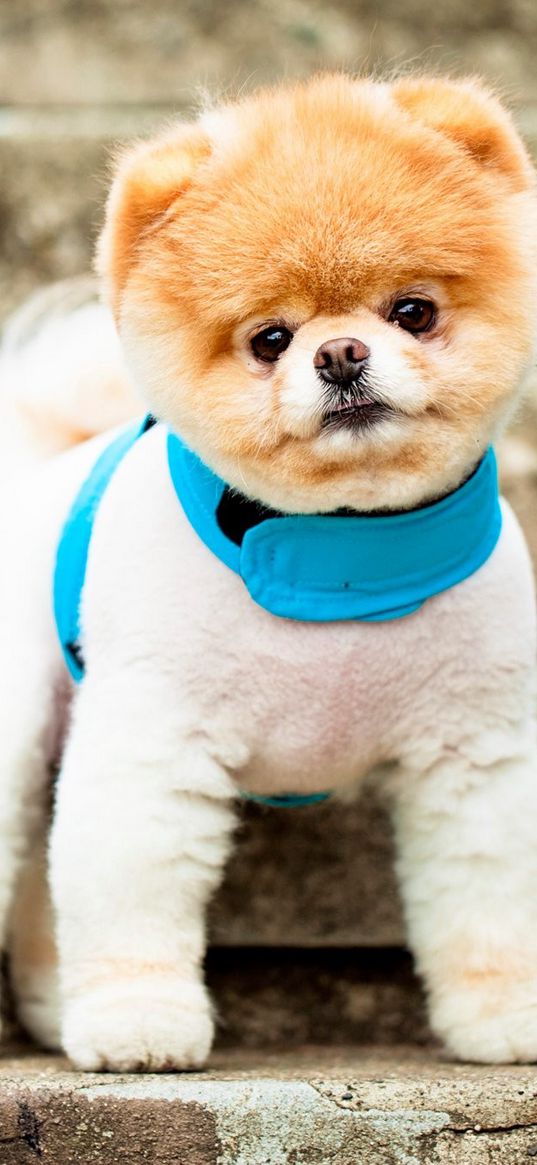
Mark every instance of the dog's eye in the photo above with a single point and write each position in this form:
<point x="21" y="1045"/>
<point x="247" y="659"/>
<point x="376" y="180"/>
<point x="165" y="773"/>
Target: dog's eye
<point x="414" y="315"/>
<point x="270" y="343"/>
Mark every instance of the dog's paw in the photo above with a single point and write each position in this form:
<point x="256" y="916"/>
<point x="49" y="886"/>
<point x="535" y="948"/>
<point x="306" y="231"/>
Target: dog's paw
<point x="496" y="1027"/>
<point x="153" y="1026"/>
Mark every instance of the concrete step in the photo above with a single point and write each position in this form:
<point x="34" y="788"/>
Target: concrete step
<point x="311" y="1106"/>
<point x="347" y="898"/>
<point x="268" y="996"/>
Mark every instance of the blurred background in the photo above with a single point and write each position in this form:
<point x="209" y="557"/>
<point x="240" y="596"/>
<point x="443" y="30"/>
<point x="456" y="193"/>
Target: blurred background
<point x="307" y="933"/>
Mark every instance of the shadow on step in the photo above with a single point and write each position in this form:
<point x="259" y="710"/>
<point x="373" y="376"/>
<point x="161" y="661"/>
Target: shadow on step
<point x="289" y="996"/>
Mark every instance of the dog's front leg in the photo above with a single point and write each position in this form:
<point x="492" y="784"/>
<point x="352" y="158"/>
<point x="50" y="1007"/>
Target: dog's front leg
<point x="140" y="836"/>
<point x="467" y="842"/>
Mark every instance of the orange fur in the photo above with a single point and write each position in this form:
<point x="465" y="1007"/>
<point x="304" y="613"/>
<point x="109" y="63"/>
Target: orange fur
<point x="317" y="204"/>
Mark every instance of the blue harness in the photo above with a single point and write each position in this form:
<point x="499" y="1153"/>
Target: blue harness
<point x="308" y="567"/>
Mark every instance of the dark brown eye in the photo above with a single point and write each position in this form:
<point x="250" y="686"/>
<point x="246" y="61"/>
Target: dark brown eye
<point x="414" y="315"/>
<point x="270" y="343"/>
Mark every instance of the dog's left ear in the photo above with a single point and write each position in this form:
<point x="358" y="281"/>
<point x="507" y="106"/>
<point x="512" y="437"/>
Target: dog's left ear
<point x="469" y="115"/>
<point x="149" y="179"/>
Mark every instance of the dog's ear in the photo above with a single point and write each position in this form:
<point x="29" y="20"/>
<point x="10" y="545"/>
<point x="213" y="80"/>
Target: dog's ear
<point x="469" y="115"/>
<point x="149" y="178"/>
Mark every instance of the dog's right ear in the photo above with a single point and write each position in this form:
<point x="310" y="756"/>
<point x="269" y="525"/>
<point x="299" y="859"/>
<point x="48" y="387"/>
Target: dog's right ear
<point x="149" y="178"/>
<point x="467" y="113"/>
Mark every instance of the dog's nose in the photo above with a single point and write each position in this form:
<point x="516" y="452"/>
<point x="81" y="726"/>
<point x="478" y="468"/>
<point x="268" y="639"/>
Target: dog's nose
<point x="340" y="360"/>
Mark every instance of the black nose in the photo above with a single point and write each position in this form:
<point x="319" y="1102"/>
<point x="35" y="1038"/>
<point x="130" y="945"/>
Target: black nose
<point x="340" y="360"/>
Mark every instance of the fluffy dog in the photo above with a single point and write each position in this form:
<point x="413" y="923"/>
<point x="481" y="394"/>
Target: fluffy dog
<point x="328" y="291"/>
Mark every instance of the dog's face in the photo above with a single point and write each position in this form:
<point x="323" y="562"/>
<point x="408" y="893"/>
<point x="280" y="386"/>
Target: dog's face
<point x="329" y="290"/>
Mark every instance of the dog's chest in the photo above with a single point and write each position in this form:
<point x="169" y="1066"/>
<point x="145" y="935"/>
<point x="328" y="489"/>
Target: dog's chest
<point x="308" y="704"/>
<point x="285" y="704"/>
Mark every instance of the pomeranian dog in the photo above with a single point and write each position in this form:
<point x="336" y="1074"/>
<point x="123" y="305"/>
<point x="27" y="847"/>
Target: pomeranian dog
<point x="300" y="573"/>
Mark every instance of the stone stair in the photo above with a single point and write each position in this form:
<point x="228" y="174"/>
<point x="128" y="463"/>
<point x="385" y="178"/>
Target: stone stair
<point x="323" y="1056"/>
<point x="310" y="1106"/>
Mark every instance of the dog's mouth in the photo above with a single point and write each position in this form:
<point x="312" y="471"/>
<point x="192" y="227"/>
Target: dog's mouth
<point x="354" y="409"/>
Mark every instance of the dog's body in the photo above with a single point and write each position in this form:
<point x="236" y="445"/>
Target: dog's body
<point x="242" y="700"/>
<point x="194" y="693"/>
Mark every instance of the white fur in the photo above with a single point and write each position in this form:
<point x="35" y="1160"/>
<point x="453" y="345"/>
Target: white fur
<point x="32" y="951"/>
<point x="192" y="692"/>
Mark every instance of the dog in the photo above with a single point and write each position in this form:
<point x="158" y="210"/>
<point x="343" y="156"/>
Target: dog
<point x="299" y="574"/>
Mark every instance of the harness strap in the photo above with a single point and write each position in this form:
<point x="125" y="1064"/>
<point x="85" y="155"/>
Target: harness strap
<point x="70" y="573"/>
<point x="287" y="800"/>
<point x="73" y="549"/>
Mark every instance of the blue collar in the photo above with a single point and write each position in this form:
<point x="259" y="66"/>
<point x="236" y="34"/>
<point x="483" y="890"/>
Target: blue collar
<point x="319" y="568"/>
<point x="328" y="567"/>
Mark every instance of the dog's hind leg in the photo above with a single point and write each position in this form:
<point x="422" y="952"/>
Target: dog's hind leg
<point x="33" y="962"/>
<point x="30" y="680"/>
<point x="24" y="780"/>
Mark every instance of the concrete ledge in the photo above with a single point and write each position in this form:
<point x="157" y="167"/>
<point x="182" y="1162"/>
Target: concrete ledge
<point x="285" y="997"/>
<point x="344" y="1106"/>
<point x="349" y="897"/>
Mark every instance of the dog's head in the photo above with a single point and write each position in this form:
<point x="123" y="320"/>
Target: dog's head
<point x="329" y="289"/>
